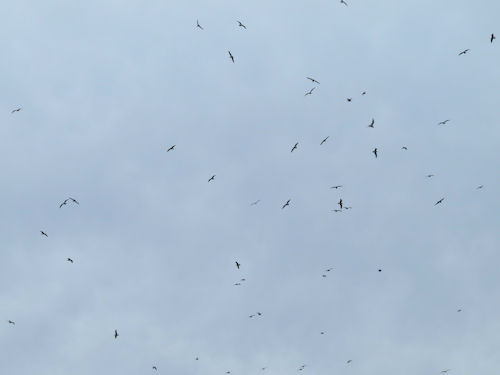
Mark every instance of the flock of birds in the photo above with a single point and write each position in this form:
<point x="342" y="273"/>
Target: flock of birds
<point x="341" y="206"/>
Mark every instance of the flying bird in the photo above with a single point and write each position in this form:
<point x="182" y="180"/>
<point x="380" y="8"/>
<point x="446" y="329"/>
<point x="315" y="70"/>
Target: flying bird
<point x="63" y="203"/>
<point x="439" y="201"/>
<point x="445" y="371"/>
<point x="372" y="123"/>
<point x="335" y="187"/>
<point x="379" y="270"/>
<point x="464" y="52"/>
<point x="69" y="260"/>
<point x="154" y="368"/>
<point x="375" y="151"/>
<point x="231" y="56"/>
<point x="363" y="93"/>
<point x="312" y="80"/>
<point x="255" y="203"/>
<point x="286" y="204"/>
<point x="349" y="99"/>
<point x="73" y="200"/>
<point x="294" y="146"/>
<point x="480" y="187"/>
<point x="492" y="38"/>
<point x="43" y="233"/>
<point x="343" y="2"/>
<point x="198" y="25"/>
<point x="15" y="110"/>
<point x="241" y="25"/>
<point x="211" y="178"/>
<point x="430" y="175"/>
<point x="116" y="334"/>
<point x="404" y="148"/>
<point x="171" y="148"/>
<point x="443" y="122"/>
<point x="322" y="333"/>
<point x="349" y="361"/>
<point x="340" y="203"/>
<point x="459" y="310"/>
<point x="337" y="210"/>
<point x="237" y="265"/>
<point x="324" y="140"/>
<point x="347" y="207"/>
<point x="323" y="275"/>
<point x="309" y="92"/>
<point x="11" y="322"/>
<point x="328" y="269"/>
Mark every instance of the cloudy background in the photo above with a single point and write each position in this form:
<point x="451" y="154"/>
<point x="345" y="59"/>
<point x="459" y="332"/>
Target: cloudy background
<point x="107" y="87"/>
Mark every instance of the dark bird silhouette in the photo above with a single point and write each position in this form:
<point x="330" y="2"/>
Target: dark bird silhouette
<point x="259" y="313"/>
<point x="171" y="148"/>
<point x="73" y="200"/>
<point x="464" y="52"/>
<point x="349" y="100"/>
<point x="459" y="310"/>
<point x="63" y="203"/>
<point x="43" y="233"/>
<point x="349" y="361"/>
<point x="492" y="38"/>
<point x="347" y="207"/>
<point x="231" y="56"/>
<point x="323" y="275"/>
<point x="286" y="204"/>
<point x="312" y="80"/>
<point x="404" y="148"/>
<point x="372" y="123"/>
<point x="255" y="203"/>
<point x="337" y="210"/>
<point x="363" y="93"/>
<point x="430" y="175"/>
<point x="237" y="265"/>
<point x="211" y="178"/>
<point x="328" y="269"/>
<point x="480" y="187"/>
<point x="15" y="110"/>
<point x="375" y="152"/>
<point x="69" y="260"/>
<point x="12" y="322"/>
<point x="443" y="122"/>
<point x="154" y="368"/>
<point x="294" y="147"/>
<point x="379" y="270"/>
<point x="343" y="2"/>
<point x="196" y="359"/>
<point x="340" y="203"/>
<point x="237" y="284"/>
<point x="198" y="25"/>
<point x="439" y="201"/>
<point x="241" y="25"/>
<point x="445" y="371"/>
<point x="322" y="333"/>
<point x="116" y="334"/>
<point x="309" y="92"/>
<point x="335" y="187"/>
<point x="324" y="140"/>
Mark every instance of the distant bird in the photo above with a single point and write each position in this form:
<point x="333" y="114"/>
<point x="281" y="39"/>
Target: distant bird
<point x="343" y="2"/>
<point x="340" y="203"/>
<point x="492" y="38"/>
<point x="459" y="310"/>
<point x="69" y="260"/>
<point x="231" y="56"/>
<point x="286" y="204"/>
<point x="328" y="269"/>
<point x="445" y="371"/>
<point x="243" y="280"/>
<point x="263" y="368"/>
<point x="347" y="207"/>
<point x="63" y="203"/>
<point x="294" y="146"/>
<point x="255" y="203"/>
<point x="335" y="187"/>
<point x="251" y="316"/>
<point x="309" y="92"/>
<point x="323" y="275"/>
<point x="363" y="93"/>
<point x="372" y="123"/>
<point x="211" y="178"/>
<point x="154" y="368"/>
<point x="443" y="122"/>
<point x="11" y="322"/>
<point x="337" y="210"/>
<point x="73" y="200"/>
<point x="15" y="110"/>
<point x="324" y="140"/>
<point x="375" y="152"/>
<point x="430" y="175"/>
<point x="228" y="372"/>
<point x="259" y="313"/>
<point x="171" y="148"/>
<point x="312" y="80"/>
<point x="241" y="25"/>
<point x="349" y="100"/>
<point x="116" y="334"/>
<point x="480" y="187"/>
<point x="379" y="270"/>
<point x="439" y="201"/>
<point x="237" y="265"/>
<point x="464" y="52"/>
<point x="43" y="233"/>
<point x="196" y="359"/>
<point x="237" y="284"/>
<point x="349" y="361"/>
<point x="404" y="148"/>
<point x="198" y="25"/>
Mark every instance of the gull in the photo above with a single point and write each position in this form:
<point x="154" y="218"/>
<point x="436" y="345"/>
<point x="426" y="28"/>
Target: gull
<point x="243" y="280"/>
<point x="379" y="270"/>
<point x="480" y="187"/>
<point x="15" y="110"/>
<point x="309" y="92"/>
<point x="459" y="310"/>
<point x="375" y="151"/>
<point x="430" y="175"/>
<point x="251" y="316"/>
<point x="211" y="178"/>
<point x="198" y="25"/>
<point x="255" y="203"/>
<point x="372" y="123"/>
<point x="171" y="148"/>
<point x="312" y="80"/>
<point x="404" y="148"/>
<point x="294" y="146"/>
<point x="237" y="284"/>
<point x="241" y="25"/>
<point x="116" y="334"/>
<point x="343" y="2"/>
<point x="335" y="187"/>
<point x="322" y="333"/>
<point x="259" y="313"/>
<point x="237" y="265"/>
<point x="349" y="361"/>
<point x="445" y="371"/>
<point x="154" y="368"/>
<point x="349" y="99"/>
<point x="231" y="56"/>
<point x="347" y="207"/>
<point x="69" y="260"/>
<point x="286" y="204"/>
<point x="73" y="200"/>
<point x="43" y="233"/>
<point x="492" y="38"/>
<point x="337" y="210"/>
<point x="439" y="201"/>
<point x="340" y="203"/>
<point x="328" y="269"/>
<point x="363" y="93"/>
<point x="464" y="52"/>
<point x="11" y="322"/>
<point x="63" y="203"/>
<point x="324" y="140"/>
<point x="443" y="122"/>
<point x="323" y="275"/>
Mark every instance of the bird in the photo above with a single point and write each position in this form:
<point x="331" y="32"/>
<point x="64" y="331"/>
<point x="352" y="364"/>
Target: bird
<point x="404" y="148"/>
<point x="116" y="334"/>
<point x="335" y="187"/>
<point x="459" y="310"/>
<point x="312" y="80"/>
<point x="63" y="203"/>
<point x="196" y="359"/>
<point x="375" y="151"/>
<point x="343" y="2"/>
<point x="439" y="201"/>
<point x="259" y="313"/>
<point x="445" y="371"/>
<point x="43" y="233"/>
<point x="211" y="178"/>
<point x="171" y="148"/>
<point x="11" y="322"/>
<point x="241" y="25"/>
<point x="154" y="368"/>
<point x="263" y="368"/>
<point x="309" y="92"/>
<point x="349" y="100"/>
<point x="73" y="200"/>
<point x="323" y="275"/>
<point x="324" y="140"/>
<point x="430" y="175"/>
<point x="349" y="361"/>
<point x="15" y="110"/>
<point x="286" y="204"/>
<point x="379" y="270"/>
<point x="464" y="52"/>
<point x="237" y="284"/>
<point x="328" y="269"/>
<point x="492" y="38"/>
<point x="237" y="265"/>
<point x="363" y="93"/>
<point x="294" y="146"/>
<point x="480" y="187"/>
<point x="228" y="372"/>
<point x="198" y="25"/>
<point x="443" y="122"/>
<point x="372" y="123"/>
<point x="231" y="56"/>
<point x="335" y="210"/>
<point x="69" y="260"/>
<point x="347" y="207"/>
<point x="340" y="203"/>
<point x="255" y="203"/>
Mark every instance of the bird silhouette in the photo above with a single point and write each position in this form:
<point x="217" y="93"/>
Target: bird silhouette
<point x="211" y="178"/>
<point x="312" y="80"/>
<point x="349" y="100"/>
<point x="404" y="148"/>
<point x="309" y="92"/>
<point x="171" y="148"/>
<point x="363" y="93"/>
<point x="349" y="361"/>
<point x="43" y="233"/>
<point x="11" y="322"/>
<point x="492" y="38"/>
<point x="231" y="56"/>
<point x="347" y="207"/>
<point x="198" y="25"/>
<point x="241" y="25"/>
<point x="63" y="203"/>
<point x="328" y="269"/>
<point x="480" y="187"/>
<point x="255" y="203"/>
<point x="375" y="152"/>
<point x="464" y="52"/>
<point x="324" y="140"/>
<point x="73" y="200"/>
<point x="340" y="203"/>
<point x="237" y="265"/>
<point x="335" y="187"/>
<point x="445" y="371"/>
<point x="69" y="260"/>
<point x="116" y="334"/>
<point x="286" y="204"/>
<point x="15" y="110"/>
<point x="154" y="368"/>
<point x="443" y="122"/>
<point x="429" y="175"/>
<point x="372" y="123"/>
<point x="294" y="147"/>
<point x="439" y="201"/>
<point x="335" y="210"/>
<point x="343" y="2"/>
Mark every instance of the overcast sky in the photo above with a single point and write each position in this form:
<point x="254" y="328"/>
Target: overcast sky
<point x="107" y="87"/>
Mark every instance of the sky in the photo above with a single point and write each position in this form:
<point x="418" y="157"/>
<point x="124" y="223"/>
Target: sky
<point x="107" y="87"/>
